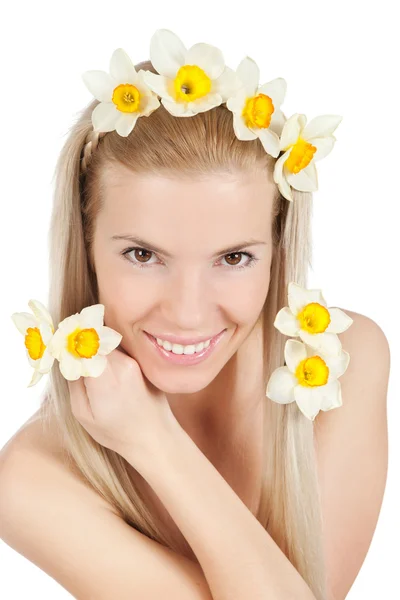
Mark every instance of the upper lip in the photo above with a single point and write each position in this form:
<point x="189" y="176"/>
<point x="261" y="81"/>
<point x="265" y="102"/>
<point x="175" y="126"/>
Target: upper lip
<point x="183" y="341"/>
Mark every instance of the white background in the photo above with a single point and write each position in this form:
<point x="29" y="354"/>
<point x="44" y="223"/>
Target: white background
<point x="337" y="58"/>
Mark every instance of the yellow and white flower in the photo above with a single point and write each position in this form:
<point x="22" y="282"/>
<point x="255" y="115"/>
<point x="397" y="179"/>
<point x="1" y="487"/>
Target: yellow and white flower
<point x="309" y="379"/>
<point x="303" y="145"/>
<point x="191" y="80"/>
<point x="308" y="317"/>
<point x="37" y="329"/>
<point x="256" y="109"/>
<point x="123" y="95"/>
<point x="82" y="342"/>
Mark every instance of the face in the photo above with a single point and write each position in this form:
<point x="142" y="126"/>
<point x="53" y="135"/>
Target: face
<point x="191" y="286"/>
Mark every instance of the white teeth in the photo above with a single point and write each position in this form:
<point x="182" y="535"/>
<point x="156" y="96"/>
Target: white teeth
<point x="179" y="349"/>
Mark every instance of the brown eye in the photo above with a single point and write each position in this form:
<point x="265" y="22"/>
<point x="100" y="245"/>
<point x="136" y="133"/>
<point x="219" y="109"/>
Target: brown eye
<point x="140" y="257"/>
<point x="239" y="254"/>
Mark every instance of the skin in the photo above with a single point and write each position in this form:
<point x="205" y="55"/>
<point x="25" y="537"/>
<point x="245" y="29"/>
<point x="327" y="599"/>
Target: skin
<point x="191" y="294"/>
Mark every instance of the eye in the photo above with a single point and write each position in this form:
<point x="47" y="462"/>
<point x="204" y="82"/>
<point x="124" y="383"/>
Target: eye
<point x="141" y="255"/>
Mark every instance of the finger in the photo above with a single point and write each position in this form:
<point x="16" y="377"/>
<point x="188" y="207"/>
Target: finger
<point x="80" y="404"/>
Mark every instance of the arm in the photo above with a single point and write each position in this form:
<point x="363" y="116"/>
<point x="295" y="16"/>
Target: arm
<point x="240" y="560"/>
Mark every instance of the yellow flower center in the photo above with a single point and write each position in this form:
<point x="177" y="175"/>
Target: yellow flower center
<point x="312" y="371"/>
<point x="300" y="156"/>
<point x="34" y="343"/>
<point x="191" y="83"/>
<point x="314" y="318"/>
<point x="83" y="343"/>
<point x="258" y="110"/>
<point x="126" y="98"/>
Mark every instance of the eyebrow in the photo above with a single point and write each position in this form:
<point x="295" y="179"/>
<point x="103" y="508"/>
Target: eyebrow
<point x="154" y="248"/>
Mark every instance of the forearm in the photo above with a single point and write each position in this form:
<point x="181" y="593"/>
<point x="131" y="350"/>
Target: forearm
<point x="240" y="560"/>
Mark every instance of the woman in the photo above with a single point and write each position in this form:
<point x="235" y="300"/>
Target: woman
<point x="179" y="229"/>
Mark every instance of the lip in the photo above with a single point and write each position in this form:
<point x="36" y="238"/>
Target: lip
<point x="186" y="359"/>
<point x="183" y="341"/>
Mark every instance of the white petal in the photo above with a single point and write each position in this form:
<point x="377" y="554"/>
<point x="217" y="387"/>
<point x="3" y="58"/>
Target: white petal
<point x="207" y="57"/>
<point x="309" y="400"/>
<point x="241" y="130"/>
<point x="23" y="320"/>
<point x="295" y="352"/>
<point x="321" y="126"/>
<point x="278" y="121"/>
<point x="177" y="109"/>
<point x="227" y="84"/>
<point x="204" y="104"/>
<point x="105" y="116"/>
<point x="70" y="367"/>
<point x="46" y="332"/>
<point x="109" y="340"/>
<point x="269" y="140"/>
<point x="334" y="400"/>
<point x="286" y="322"/>
<point x="291" y="131"/>
<point x="159" y="84"/>
<point x="276" y="90"/>
<point x="92" y="316"/>
<point x="237" y="101"/>
<point x="46" y="362"/>
<point x="40" y="312"/>
<point x="122" y="68"/>
<point x="323" y="146"/>
<point x="280" y="178"/>
<point x="93" y="367"/>
<point x="328" y="343"/>
<point x="299" y="297"/>
<point x="99" y="84"/>
<point x="337" y="365"/>
<point x="305" y="180"/>
<point x="167" y="52"/>
<point x="57" y="344"/>
<point x="32" y="362"/>
<point x="36" y="376"/>
<point x="126" y="123"/>
<point x="281" y="385"/>
<point x="69" y="324"/>
<point x="340" y="321"/>
<point x="249" y="74"/>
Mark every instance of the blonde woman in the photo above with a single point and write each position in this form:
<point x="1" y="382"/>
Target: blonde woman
<point x="173" y="475"/>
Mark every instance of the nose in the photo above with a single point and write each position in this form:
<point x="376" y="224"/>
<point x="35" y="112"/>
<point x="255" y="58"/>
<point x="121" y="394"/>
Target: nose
<point x="188" y="302"/>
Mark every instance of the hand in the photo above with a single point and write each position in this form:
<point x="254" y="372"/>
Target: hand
<point x="120" y="409"/>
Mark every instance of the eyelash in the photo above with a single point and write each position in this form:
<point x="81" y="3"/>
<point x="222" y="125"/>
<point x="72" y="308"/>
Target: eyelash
<point x="251" y="262"/>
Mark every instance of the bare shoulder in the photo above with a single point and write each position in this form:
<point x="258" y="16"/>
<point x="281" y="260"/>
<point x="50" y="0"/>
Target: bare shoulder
<point x="53" y="518"/>
<point x="352" y="453"/>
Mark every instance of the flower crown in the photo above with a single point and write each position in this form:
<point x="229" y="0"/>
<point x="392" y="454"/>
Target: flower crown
<point x="189" y="82"/>
<point x="196" y="80"/>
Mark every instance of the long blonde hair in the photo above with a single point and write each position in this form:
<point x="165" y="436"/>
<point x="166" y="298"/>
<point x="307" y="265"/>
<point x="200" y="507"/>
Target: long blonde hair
<point x="290" y="499"/>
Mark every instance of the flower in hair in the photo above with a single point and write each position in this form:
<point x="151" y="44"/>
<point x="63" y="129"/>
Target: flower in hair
<point x="303" y="145"/>
<point x="256" y="109"/>
<point x="309" y="378"/>
<point x="82" y="342"/>
<point x="308" y="317"/>
<point x="37" y="329"/>
<point x="123" y="95"/>
<point x="191" y="80"/>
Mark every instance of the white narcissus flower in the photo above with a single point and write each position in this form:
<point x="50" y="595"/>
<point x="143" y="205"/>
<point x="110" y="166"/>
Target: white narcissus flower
<point x="309" y="318"/>
<point x="82" y="342"/>
<point x="191" y="80"/>
<point x="123" y="95"/>
<point x="309" y="379"/>
<point x="37" y="329"/>
<point x="256" y="109"/>
<point x="303" y="145"/>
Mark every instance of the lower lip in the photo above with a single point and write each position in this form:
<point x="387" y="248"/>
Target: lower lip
<point x="186" y="359"/>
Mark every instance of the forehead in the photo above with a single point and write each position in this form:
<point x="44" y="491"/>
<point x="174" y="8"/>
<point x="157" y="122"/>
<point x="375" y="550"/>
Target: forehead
<point x="216" y="203"/>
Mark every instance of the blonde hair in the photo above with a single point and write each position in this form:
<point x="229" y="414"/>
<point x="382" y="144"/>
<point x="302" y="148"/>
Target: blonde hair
<point x="161" y="143"/>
